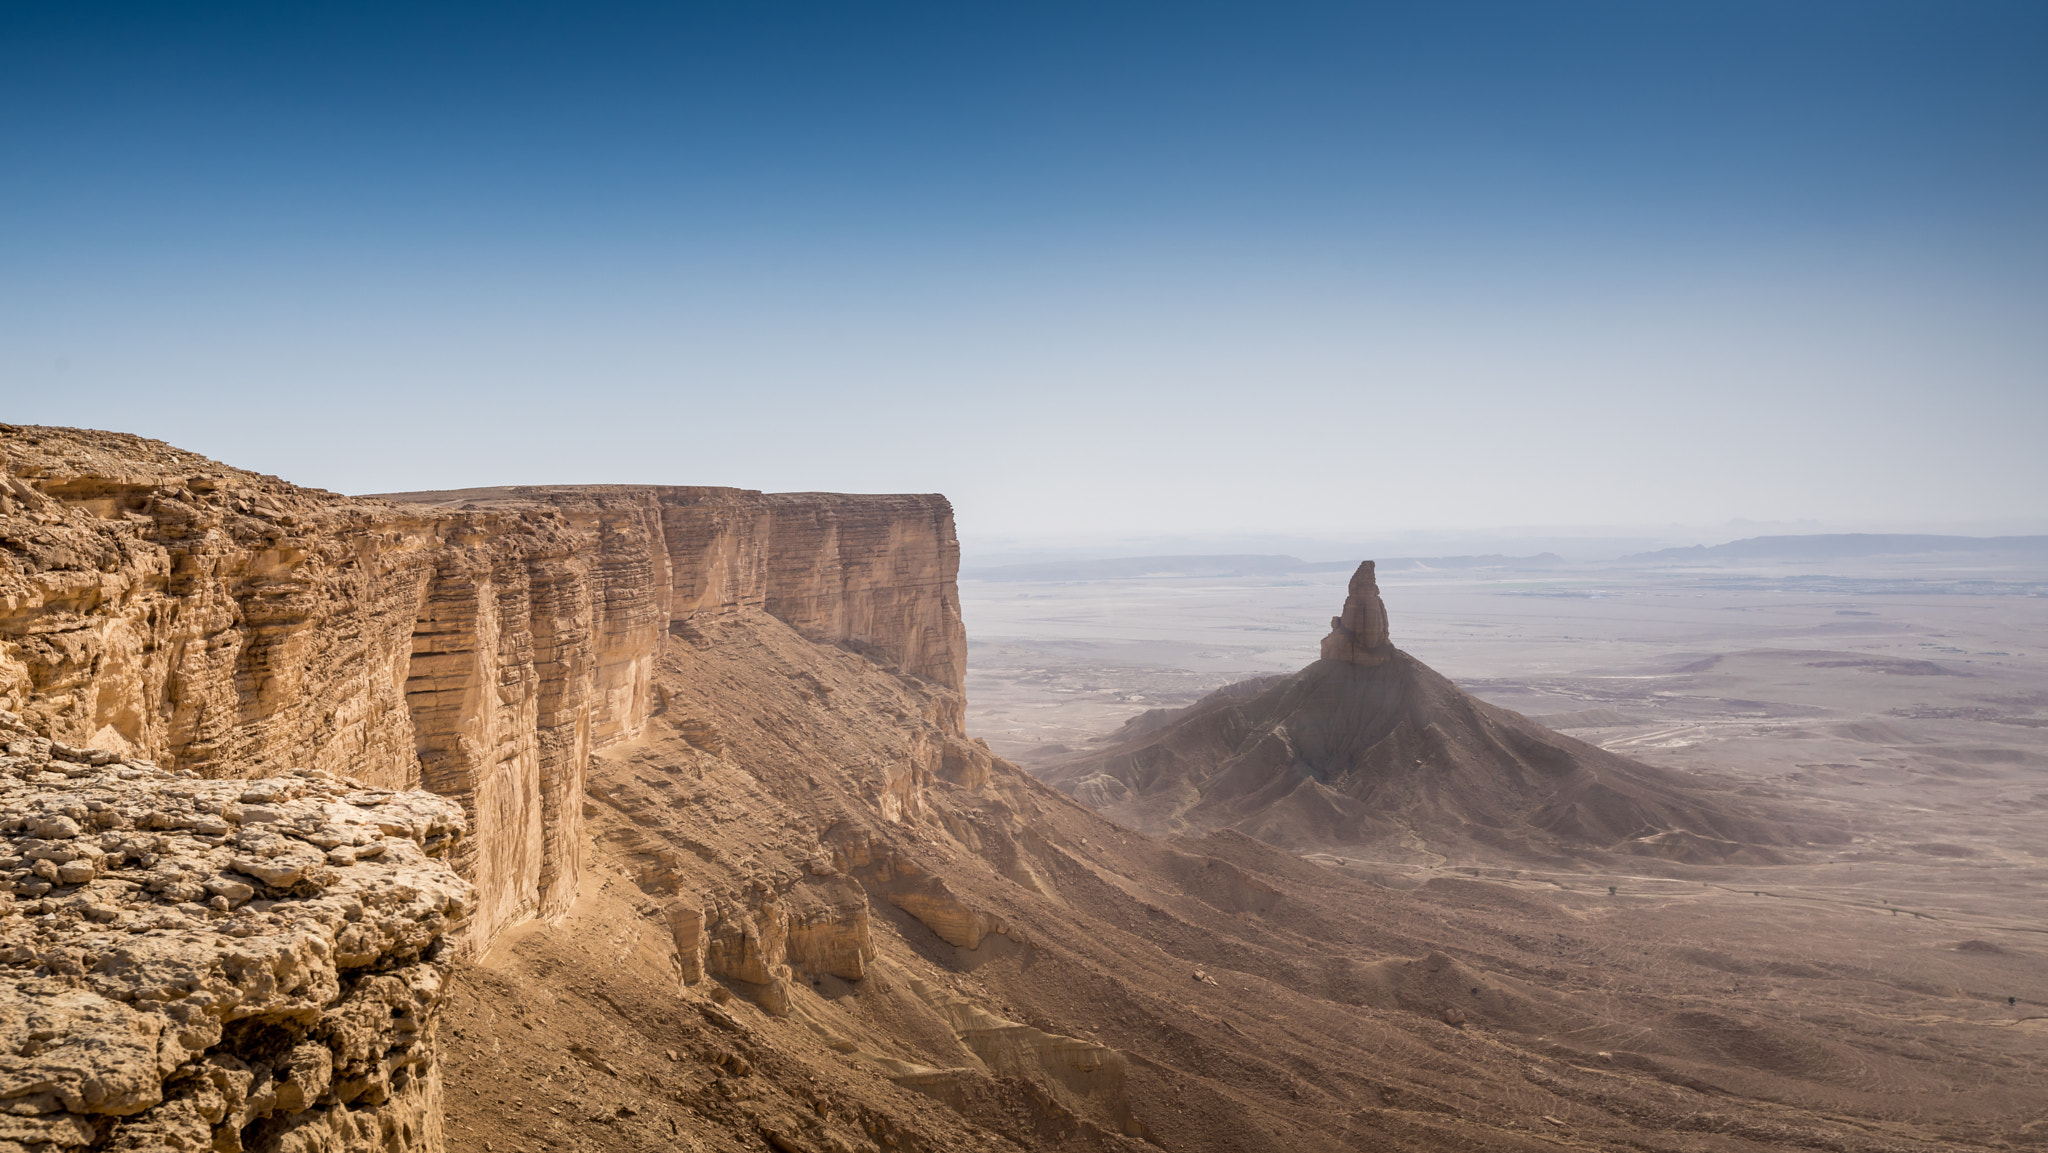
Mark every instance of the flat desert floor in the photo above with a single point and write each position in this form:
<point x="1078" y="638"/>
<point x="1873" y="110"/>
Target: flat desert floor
<point x="1920" y="696"/>
<point x="1883" y="995"/>
<point x="1910" y="700"/>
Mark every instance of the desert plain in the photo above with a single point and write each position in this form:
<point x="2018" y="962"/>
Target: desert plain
<point x="717" y="795"/>
<point x="1903" y="698"/>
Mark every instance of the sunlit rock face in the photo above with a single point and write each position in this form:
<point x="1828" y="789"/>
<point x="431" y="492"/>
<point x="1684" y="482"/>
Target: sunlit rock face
<point x="1359" y="635"/>
<point x="479" y="644"/>
<point x="218" y="964"/>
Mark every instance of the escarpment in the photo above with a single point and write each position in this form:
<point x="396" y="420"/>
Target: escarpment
<point x="479" y="644"/>
<point x="823" y="922"/>
<point x="620" y="818"/>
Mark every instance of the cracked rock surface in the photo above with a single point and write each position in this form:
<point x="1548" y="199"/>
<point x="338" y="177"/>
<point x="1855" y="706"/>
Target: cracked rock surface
<point x="217" y="964"/>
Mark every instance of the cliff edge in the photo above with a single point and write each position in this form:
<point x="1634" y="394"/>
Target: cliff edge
<point x="741" y="881"/>
<point x="479" y="644"/>
<point x="224" y="965"/>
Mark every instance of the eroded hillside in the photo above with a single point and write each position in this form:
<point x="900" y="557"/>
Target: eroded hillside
<point x="477" y="644"/>
<point x="743" y="882"/>
<point x="1369" y="752"/>
<point x="854" y="932"/>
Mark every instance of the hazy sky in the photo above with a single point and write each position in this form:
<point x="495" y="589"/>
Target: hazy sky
<point x="1101" y="267"/>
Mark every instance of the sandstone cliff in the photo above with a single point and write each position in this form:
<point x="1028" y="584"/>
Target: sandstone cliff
<point x="808" y="913"/>
<point x="479" y="644"/>
<point x="1358" y="636"/>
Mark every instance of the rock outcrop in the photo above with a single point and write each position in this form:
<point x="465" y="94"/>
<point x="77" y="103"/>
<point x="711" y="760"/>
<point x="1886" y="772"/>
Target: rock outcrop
<point x="805" y="833"/>
<point x="1359" y="635"/>
<point x="813" y="915"/>
<point x="218" y="964"/>
<point x="479" y="644"/>
<point x="1369" y="747"/>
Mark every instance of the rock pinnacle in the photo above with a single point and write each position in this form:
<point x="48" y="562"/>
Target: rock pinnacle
<point x="1360" y="635"/>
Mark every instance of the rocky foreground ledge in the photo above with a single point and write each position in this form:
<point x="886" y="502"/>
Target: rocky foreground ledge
<point x="197" y="964"/>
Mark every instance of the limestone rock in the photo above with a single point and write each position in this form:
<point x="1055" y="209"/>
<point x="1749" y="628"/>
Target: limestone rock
<point x="1359" y="635"/>
<point x="209" y="979"/>
<point x="817" y="926"/>
<point x="945" y="914"/>
<point x="480" y="644"/>
<point x="686" y="926"/>
<point x="830" y="928"/>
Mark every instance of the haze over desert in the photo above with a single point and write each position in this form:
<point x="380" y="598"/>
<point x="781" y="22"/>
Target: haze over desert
<point x="905" y="578"/>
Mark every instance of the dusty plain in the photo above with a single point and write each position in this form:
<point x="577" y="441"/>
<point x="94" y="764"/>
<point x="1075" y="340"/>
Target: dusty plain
<point x="1907" y="696"/>
<point x="747" y="878"/>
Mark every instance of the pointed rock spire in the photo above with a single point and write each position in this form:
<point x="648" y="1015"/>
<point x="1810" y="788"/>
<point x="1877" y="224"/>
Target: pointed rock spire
<point x="1360" y="635"/>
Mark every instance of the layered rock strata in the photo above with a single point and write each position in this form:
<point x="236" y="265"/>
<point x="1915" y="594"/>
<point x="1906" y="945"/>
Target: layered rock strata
<point x="218" y="964"/>
<point x="1358" y="636"/>
<point x="479" y="644"/>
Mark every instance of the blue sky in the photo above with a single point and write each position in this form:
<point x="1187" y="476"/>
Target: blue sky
<point x="1106" y="268"/>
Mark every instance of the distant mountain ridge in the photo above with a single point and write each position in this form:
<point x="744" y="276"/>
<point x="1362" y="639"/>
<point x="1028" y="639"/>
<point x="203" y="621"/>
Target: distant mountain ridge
<point x="1231" y="565"/>
<point x="1809" y="547"/>
<point x="1849" y="546"/>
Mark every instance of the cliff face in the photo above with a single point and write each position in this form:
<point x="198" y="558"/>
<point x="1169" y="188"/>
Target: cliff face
<point x="480" y="644"/>
<point x="873" y="572"/>
<point x="813" y="915"/>
<point x="1359" y="635"/>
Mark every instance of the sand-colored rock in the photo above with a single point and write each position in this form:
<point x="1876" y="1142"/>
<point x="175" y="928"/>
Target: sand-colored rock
<point x="830" y="930"/>
<point x="790" y="778"/>
<point x="762" y="941"/>
<point x="479" y="644"/>
<point x="228" y="966"/>
<point x="1359" y="635"/>
<point x="945" y="914"/>
<point x="1318" y="1021"/>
